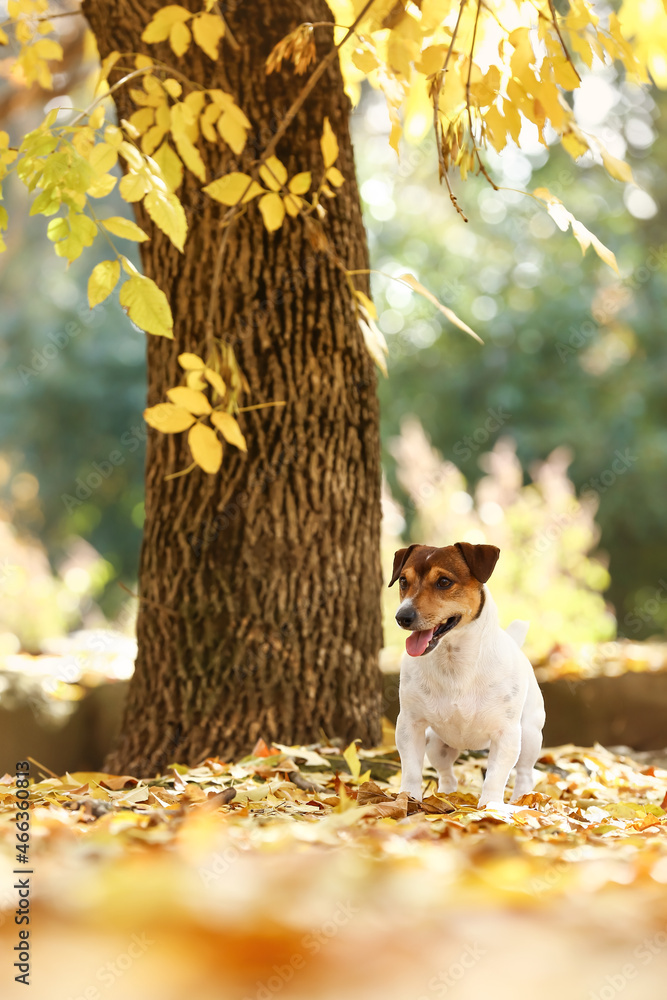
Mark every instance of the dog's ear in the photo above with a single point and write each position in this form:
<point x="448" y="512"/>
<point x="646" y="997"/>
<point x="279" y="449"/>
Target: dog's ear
<point x="400" y="559"/>
<point x="480" y="559"/>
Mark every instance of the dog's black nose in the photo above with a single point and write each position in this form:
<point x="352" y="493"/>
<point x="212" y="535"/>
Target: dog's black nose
<point x="406" y="617"/>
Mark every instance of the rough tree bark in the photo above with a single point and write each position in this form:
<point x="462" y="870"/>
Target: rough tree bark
<point x="260" y="587"/>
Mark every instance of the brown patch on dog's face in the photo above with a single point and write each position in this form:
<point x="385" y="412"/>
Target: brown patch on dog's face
<point x="441" y="588"/>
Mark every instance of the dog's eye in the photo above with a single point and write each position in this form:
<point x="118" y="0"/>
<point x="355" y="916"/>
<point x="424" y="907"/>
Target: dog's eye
<point x="443" y="583"/>
<point x="402" y="582"/>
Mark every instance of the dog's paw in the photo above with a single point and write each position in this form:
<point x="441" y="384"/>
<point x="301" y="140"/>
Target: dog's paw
<point x="499" y="807"/>
<point x="414" y="793"/>
<point x="447" y="785"/>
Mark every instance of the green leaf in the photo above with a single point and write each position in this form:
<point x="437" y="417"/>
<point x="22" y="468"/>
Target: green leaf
<point x="102" y="281"/>
<point x="147" y="306"/>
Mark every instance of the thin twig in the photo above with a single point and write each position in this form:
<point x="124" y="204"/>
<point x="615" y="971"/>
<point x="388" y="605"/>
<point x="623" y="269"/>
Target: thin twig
<point x="261" y="406"/>
<point x="561" y="39"/>
<point x="215" y="285"/>
<point x="108" y="93"/>
<point x="482" y="168"/>
<point x="453" y="199"/>
<point x="442" y="169"/>
<point x="43" y="767"/>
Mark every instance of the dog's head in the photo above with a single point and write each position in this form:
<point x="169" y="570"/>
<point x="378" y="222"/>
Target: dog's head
<point x="441" y="589"/>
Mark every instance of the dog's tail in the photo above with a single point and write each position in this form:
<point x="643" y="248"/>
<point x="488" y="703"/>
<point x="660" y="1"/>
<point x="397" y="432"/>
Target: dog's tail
<point x="518" y="631"/>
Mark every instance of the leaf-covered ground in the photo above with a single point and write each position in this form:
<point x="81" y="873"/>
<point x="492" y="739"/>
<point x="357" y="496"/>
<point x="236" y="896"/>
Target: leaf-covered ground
<point x="303" y="873"/>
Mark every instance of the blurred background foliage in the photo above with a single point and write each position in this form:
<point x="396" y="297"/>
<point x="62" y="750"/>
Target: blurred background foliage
<point x="574" y="357"/>
<point x="566" y="398"/>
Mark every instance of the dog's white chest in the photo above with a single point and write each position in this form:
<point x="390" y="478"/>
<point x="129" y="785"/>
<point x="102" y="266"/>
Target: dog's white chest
<point x="464" y="706"/>
<point x="461" y="720"/>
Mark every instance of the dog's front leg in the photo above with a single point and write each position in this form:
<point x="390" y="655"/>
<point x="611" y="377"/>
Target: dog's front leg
<point x="411" y="745"/>
<point x="503" y="754"/>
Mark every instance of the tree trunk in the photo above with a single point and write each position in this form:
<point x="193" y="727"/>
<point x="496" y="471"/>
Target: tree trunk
<point x="260" y="586"/>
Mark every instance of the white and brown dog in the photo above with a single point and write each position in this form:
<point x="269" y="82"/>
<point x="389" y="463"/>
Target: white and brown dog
<point x="465" y="684"/>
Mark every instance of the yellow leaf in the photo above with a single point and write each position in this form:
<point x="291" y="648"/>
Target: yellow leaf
<point x="410" y="280"/>
<point x="617" y="168"/>
<point x="574" y="145"/>
<point x="102" y="281"/>
<point x="168" y="215"/>
<point x="142" y="120"/>
<point x="160" y="26"/>
<point x="103" y="158"/>
<point x="102" y="186"/>
<point x="113" y="136"/>
<point x="300" y="183"/>
<point x="190" y="155"/>
<point x="368" y="305"/>
<point x="168" y="418"/>
<point x="194" y="380"/>
<point x="96" y="120"/>
<point x="191" y="362"/>
<point x="328" y="145"/>
<point x="173" y="87"/>
<point x="273" y="173"/>
<point x="180" y="38"/>
<point x="208" y="29"/>
<point x="124" y="228"/>
<point x="206" y="447"/>
<point x="564" y="73"/>
<point x="234" y="134"/>
<point x="582" y="235"/>
<point x="214" y="379"/>
<point x="47" y="48"/>
<point x="293" y="204"/>
<point x="128" y="266"/>
<point x="191" y="400"/>
<point x="147" y="306"/>
<point x="495" y="128"/>
<point x="334" y="176"/>
<point x="375" y="342"/>
<point x="170" y="166"/>
<point x="352" y="760"/>
<point x="229" y="429"/>
<point x="232" y="188"/>
<point x="208" y="120"/>
<point x="133" y="186"/>
<point x="83" y="228"/>
<point x="273" y="211"/>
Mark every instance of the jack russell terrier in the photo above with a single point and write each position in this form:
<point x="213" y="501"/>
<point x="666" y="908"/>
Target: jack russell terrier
<point x="465" y="684"/>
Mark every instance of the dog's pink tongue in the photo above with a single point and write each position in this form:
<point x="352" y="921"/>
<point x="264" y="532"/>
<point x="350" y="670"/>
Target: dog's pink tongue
<point x="417" y="642"/>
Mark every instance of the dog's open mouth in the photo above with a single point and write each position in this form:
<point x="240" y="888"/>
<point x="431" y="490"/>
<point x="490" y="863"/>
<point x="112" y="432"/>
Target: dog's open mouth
<point x="425" y="641"/>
